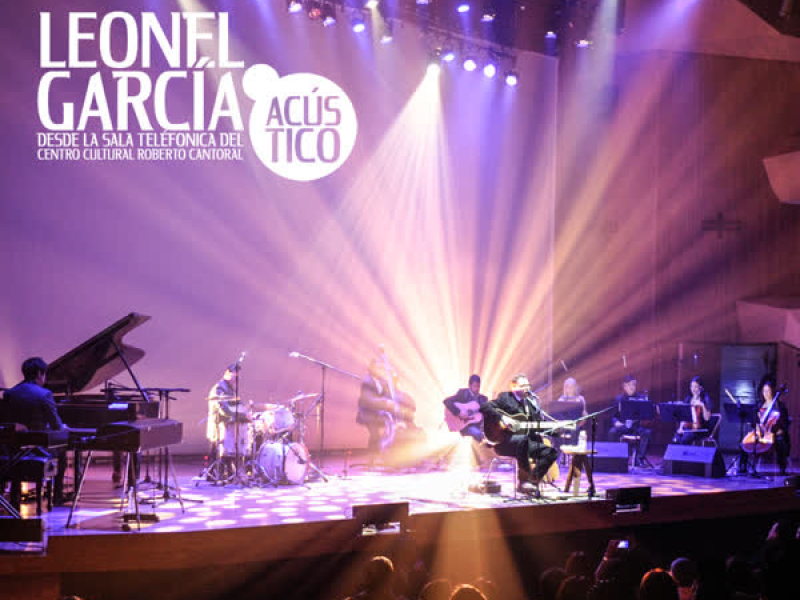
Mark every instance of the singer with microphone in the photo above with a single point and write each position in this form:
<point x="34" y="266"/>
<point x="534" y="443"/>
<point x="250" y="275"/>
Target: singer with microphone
<point x="534" y="456"/>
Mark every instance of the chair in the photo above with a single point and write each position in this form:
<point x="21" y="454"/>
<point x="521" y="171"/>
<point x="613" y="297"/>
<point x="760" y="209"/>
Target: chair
<point x="633" y="446"/>
<point x="34" y="466"/>
<point x="713" y="431"/>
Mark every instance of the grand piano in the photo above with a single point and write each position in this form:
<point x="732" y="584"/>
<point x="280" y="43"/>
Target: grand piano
<point x="100" y="418"/>
<point x="120" y="419"/>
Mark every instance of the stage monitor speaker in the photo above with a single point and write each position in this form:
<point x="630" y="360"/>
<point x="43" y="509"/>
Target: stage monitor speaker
<point x="611" y="457"/>
<point x="381" y="516"/>
<point x="693" y="460"/>
<point x="630" y="499"/>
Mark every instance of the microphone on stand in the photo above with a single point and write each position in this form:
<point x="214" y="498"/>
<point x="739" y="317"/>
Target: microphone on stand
<point x="624" y="361"/>
<point x="564" y="365"/>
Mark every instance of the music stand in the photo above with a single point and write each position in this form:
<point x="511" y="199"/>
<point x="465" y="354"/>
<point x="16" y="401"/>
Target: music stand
<point x="567" y="411"/>
<point x="637" y="410"/>
<point x="744" y="413"/>
<point x="675" y="411"/>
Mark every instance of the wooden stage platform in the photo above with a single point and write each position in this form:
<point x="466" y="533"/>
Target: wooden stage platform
<point x="235" y="528"/>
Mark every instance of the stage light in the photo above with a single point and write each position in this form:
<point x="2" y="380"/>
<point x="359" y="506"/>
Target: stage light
<point x="463" y="8"/>
<point x="423" y="2"/>
<point x="294" y="6"/>
<point x="388" y="33"/>
<point x="434" y="62"/>
<point x="370" y="4"/>
<point x="358" y="25"/>
<point x="490" y="69"/>
<point x="328" y="15"/>
<point x="550" y="35"/>
<point x="314" y="10"/>
<point x="470" y="64"/>
<point x="489" y="13"/>
<point x="448" y="55"/>
<point x="583" y="43"/>
<point x="512" y="78"/>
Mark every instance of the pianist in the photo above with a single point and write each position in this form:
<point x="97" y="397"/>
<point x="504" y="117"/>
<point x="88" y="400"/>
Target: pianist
<point x="31" y="404"/>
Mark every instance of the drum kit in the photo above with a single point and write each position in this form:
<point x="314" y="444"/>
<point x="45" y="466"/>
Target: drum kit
<point x="271" y="445"/>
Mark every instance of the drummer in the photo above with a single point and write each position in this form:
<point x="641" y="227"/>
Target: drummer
<point x="224" y="409"/>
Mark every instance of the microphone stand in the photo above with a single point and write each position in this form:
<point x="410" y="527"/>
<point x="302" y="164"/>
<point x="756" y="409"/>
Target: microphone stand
<point x="321" y="401"/>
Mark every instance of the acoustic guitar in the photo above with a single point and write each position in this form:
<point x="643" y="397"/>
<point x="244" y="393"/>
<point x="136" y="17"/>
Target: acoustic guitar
<point x="508" y="425"/>
<point x="468" y="413"/>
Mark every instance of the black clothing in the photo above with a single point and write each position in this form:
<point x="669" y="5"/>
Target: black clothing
<point x="465" y="396"/>
<point x="620" y="427"/>
<point x="525" y="447"/>
<point x="781" y="432"/>
<point x="688" y="435"/>
<point x="382" y="415"/>
<point x="31" y="405"/>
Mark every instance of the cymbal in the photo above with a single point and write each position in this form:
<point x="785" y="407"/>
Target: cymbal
<point x="302" y="396"/>
<point x="264" y="406"/>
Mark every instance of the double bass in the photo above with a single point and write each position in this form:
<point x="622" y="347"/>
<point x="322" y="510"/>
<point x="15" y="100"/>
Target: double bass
<point x="761" y="439"/>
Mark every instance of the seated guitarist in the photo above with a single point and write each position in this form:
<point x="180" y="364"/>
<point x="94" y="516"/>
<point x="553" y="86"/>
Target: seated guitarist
<point x="526" y="447"/>
<point x="465" y="407"/>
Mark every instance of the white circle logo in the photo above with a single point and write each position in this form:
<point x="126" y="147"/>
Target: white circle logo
<point x="302" y="126"/>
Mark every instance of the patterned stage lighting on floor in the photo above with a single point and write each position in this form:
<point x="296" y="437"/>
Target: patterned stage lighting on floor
<point x="328" y="15"/>
<point x="314" y="10"/>
<point x="463" y="8"/>
<point x="490" y="69"/>
<point x="358" y="25"/>
<point x="470" y="64"/>
<point x="294" y="6"/>
<point x="512" y="78"/>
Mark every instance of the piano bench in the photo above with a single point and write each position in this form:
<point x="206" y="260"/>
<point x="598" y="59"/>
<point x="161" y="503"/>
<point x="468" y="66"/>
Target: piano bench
<point x="39" y="470"/>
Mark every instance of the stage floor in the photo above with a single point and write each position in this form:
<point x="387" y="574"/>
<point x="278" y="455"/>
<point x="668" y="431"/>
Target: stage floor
<point x="427" y="490"/>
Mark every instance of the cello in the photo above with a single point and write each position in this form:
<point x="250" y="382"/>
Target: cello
<point x="761" y="439"/>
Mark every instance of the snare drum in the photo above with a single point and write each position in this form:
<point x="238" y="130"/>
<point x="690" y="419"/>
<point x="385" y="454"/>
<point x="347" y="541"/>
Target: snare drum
<point x="284" y="462"/>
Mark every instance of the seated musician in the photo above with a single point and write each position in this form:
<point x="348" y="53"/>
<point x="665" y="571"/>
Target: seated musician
<point x="385" y="411"/>
<point x="629" y="427"/>
<point x="526" y="447"/>
<point x="772" y="417"/>
<point x="700" y="404"/>
<point x="570" y="405"/>
<point x="31" y="404"/>
<point x="224" y="410"/>
<point x="465" y="408"/>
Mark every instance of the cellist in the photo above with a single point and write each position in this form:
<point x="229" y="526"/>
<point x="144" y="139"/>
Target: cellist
<point x="772" y="424"/>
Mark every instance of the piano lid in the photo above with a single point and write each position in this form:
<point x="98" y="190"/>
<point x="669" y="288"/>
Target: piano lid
<point x="95" y="360"/>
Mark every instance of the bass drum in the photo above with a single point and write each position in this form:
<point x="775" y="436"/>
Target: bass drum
<point x="284" y="463"/>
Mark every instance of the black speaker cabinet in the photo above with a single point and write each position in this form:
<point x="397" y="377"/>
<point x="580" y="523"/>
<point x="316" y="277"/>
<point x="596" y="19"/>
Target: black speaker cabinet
<point x="693" y="460"/>
<point x="611" y="457"/>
